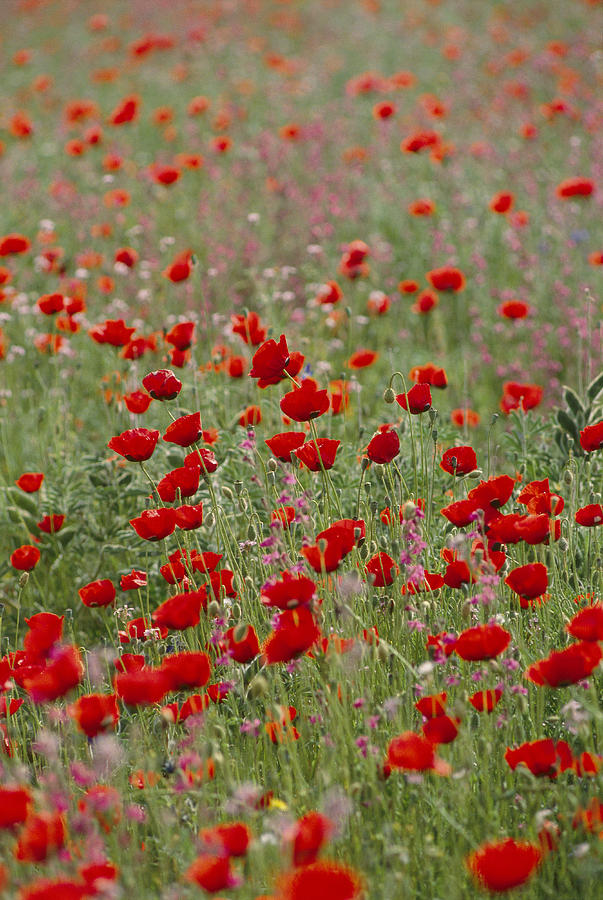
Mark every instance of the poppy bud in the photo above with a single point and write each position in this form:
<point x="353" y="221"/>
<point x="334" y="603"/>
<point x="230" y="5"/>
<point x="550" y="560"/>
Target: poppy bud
<point x="258" y="687"/>
<point x="568" y="477"/>
<point x="408" y="511"/>
<point x="213" y="609"/>
<point x="24" y="578"/>
<point x="389" y="395"/>
<point x="271" y="465"/>
<point x="477" y="473"/>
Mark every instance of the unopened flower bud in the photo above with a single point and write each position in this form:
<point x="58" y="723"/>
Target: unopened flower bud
<point x="568" y="477"/>
<point x="477" y="473"/>
<point x="408" y="511"/>
<point x="383" y="653"/>
<point x="272" y="465"/>
<point x="239" y="632"/>
<point x="213" y="609"/>
<point x="563" y="544"/>
<point x="258" y="687"/>
<point x="23" y="579"/>
<point x="389" y="395"/>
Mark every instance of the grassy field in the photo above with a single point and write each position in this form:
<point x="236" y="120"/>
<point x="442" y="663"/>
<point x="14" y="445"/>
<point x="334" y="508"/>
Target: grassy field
<point x="301" y="417"/>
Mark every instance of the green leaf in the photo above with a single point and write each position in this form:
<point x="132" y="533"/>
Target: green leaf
<point x="595" y="387"/>
<point x="568" y="424"/>
<point x="574" y="402"/>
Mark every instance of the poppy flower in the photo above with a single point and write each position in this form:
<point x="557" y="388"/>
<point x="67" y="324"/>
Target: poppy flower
<point x="537" y="529"/>
<point x="544" y="757"/>
<point x="137" y="402"/>
<point x="324" y="556"/>
<point x="339" y="395"/>
<point x="13" y="244"/>
<point x="384" y="110"/>
<point x="15" y="803"/>
<point x="154" y="524"/>
<point x="25" y="558"/>
<point x="241" y="643"/>
<point x="180" y="268"/>
<point x="180" y="611"/>
<point x="408" y="286"/>
<point x="330" y="292"/>
<point x="126" y="110"/>
<point x="378" y="303"/>
<point x="189" y="517"/>
<point x="486" y="701"/>
<point x="502" y="865"/>
<point x="294" y="632"/>
<point x="463" y="417"/>
<point x="212" y="873"/>
<point x="381" y="570"/>
<point x="142" y="687"/>
<point x="112" y="331"/>
<point x="252" y="415"/>
<point x="433" y="705"/>
<point x="353" y="263"/>
<point x="346" y="532"/>
<point x="94" y="713"/>
<point x="230" y="840"/>
<point x="42" y="834"/>
<point x="308" y="835"/>
<point x="417" y="400"/>
<point x="482" y="642"/>
<point x="284" y="515"/>
<point x="249" y="328"/>
<point x="459" y="460"/>
<point x="45" y="629"/>
<point x="162" y="384"/>
<point x="502" y="202"/>
<point x="446" y="278"/>
<point x="187" y="669"/>
<point x="321" y="879"/>
<point x="563" y="667"/>
<point x="127" y="256"/>
<point x="136" y="445"/>
<point x="140" y="629"/>
<point x="591" y="437"/>
<point x="441" y="729"/>
<point x="306" y="402"/>
<point x="288" y="592"/>
<point x="165" y="175"/>
<point x="587" y="625"/>
<point x="520" y="396"/>
<point x="429" y="374"/>
<point x="284" y="444"/>
<point x="203" y="459"/>
<point x="514" y="309"/>
<point x="422" y="207"/>
<point x="419" y="141"/>
<point x="575" y="187"/>
<point x="98" y="593"/>
<point x="50" y="303"/>
<point x="414" y="753"/>
<point x="181" y="335"/>
<point x="460" y="513"/>
<point x="361" y="359"/>
<point x="490" y="495"/>
<point x="319" y="454"/>
<point x="270" y="359"/>
<point x="383" y="446"/>
<point x="51" y="524"/>
<point x="590" y="516"/>
<point x="425" y="302"/>
<point x="183" y="482"/>
<point x="529" y="581"/>
<point x="63" y="672"/>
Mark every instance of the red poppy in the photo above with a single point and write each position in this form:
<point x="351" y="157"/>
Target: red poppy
<point x="384" y="110"/>
<point x="212" y="873"/>
<point x="486" y="701"/>
<point x="529" y="581"/>
<point x="520" y="396"/>
<point x="25" y="558"/>
<point x="413" y="752"/>
<point x="361" y="359"/>
<point x="514" y="309"/>
<point x="378" y="303"/>
<point x="126" y="110"/>
<point x="339" y="395"/>
<point x="353" y="263"/>
<point x="288" y="592"/>
<point x="319" y="454"/>
<point x="459" y="460"/>
<point x="180" y="268"/>
<point x="421" y="207"/>
<point x="137" y="402"/>
<point x="129" y="662"/>
<point x="112" y="331"/>
<point x="249" y="328"/>
<point x="433" y="705"/>
<point x="15" y="803"/>
<point x="181" y="335"/>
<point x="590" y="516"/>
<point x="321" y="879"/>
<point x="45" y="629"/>
<point x="203" y="459"/>
<point x="94" y="713"/>
<point x="425" y="302"/>
<point x="306" y="402"/>
<point x="142" y="687"/>
<point x="420" y="141"/>
<point x="587" y="625"/>
<point x="185" y="430"/>
<point x="270" y="360"/>
<point x="441" y="729"/>
<point x="563" y="667"/>
<point x="51" y="524"/>
<point x="537" y="529"/>
<point x="42" y="834"/>
<point x="127" y="256"/>
<point x="232" y="839"/>
<point x="345" y="532"/>
<point x="162" y="384"/>
<point x="63" y="672"/>
<point x="591" y="437"/>
<point x="189" y="517"/>
<point x="136" y="445"/>
<point x="330" y="292"/>
<point x="308" y="836"/>
<point x="408" y="286"/>
<point x="294" y="632"/>
<point x="446" y="279"/>
<point x="50" y="303"/>
<point x="417" y="400"/>
<point x="14" y="244"/>
<point x="381" y="570"/>
<point x="482" y="642"/>
<point x="180" y="611"/>
<point x="252" y="415"/>
<point x="241" y="643"/>
<point x="183" y="482"/>
<point x="98" y="593"/>
<point x="575" y="187"/>
<point x="383" y="446"/>
<point x="284" y="444"/>
<point x="462" y="417"/>
<point x="544" y="757"/>
<point x="154" y="524"/>
<point x="490" y="495"/>
<point x="165" y="175"/>
<point x="429" y="374"/>
<point x="187" y="670"/>
<point x="284" y="515"/>
<point x="502" y="202"/>
<point x="502" y="865"/>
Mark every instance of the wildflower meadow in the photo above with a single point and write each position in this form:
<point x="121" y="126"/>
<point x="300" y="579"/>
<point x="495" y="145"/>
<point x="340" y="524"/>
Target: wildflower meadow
<point x="301" y="449"/>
